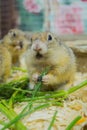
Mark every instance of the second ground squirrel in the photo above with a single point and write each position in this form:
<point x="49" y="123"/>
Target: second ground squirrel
<point x="12" y="47"/>
<point x="16" y="43"/>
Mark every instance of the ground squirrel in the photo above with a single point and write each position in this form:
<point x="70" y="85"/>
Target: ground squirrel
<point x="16" y="43"/>
<point x="5" y="63"/>
<point x="46" y="50"/>
<point x="12" y="46"/>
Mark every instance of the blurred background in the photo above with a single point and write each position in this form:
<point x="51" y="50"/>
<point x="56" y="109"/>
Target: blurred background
<point x="64" y="17"/>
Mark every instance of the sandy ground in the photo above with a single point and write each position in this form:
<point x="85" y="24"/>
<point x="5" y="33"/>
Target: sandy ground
<point x="75" y="105"/>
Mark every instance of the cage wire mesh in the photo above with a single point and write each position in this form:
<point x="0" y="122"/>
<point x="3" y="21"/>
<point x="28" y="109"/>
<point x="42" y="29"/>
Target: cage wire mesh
<point x="8" y="16"/>
<point x="59" y="16"/>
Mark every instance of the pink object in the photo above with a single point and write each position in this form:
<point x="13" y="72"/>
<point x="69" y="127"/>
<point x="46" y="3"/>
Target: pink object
<point x="84" y="0"/>
<point x="68" y="20"/>
<point x="32" y="6"/>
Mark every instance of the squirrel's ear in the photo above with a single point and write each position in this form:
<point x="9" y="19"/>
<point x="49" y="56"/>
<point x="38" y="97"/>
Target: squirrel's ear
<point x="49" y="37"/>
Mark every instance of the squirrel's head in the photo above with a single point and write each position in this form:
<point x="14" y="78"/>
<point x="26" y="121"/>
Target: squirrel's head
<point x="42" y="43"/>
<point x="16" y="40"/>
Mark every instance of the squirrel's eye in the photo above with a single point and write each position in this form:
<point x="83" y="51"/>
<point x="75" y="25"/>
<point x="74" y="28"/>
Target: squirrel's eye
<point x="14" y="35"/>
<point x="49" y="37"/>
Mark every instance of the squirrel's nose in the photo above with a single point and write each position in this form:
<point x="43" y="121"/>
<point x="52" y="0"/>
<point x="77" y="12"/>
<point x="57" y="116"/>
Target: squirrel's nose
<point x="37" y="48"/>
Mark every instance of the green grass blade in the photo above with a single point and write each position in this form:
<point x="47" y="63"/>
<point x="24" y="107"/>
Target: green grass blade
<point x="10" y="114"/>
<point x="11" y="100"/>
<point x="19" y="69"/>
<point x="52" y="121"/>
<point x="74" y="88"/>
<point x="38" y="86"/>
<point x="20" y="116"/>
<point x="70" y="126"/>
<point x="9" y="87"/>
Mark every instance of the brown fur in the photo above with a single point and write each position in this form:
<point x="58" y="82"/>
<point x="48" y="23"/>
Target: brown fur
<point x="12" y="47"/>
<point x="16" y="43"/>
<point x="58" y="57"/>
<point x="5" y="63"/>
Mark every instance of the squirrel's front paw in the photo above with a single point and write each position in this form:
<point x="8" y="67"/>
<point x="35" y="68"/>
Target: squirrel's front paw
<point x="35" y="77"/>
<point x="31" y="85"/>
<point x="47" y="79"/>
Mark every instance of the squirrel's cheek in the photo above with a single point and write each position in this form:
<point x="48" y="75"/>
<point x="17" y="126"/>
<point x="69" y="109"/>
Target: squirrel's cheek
<point x="44" y="50"/>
